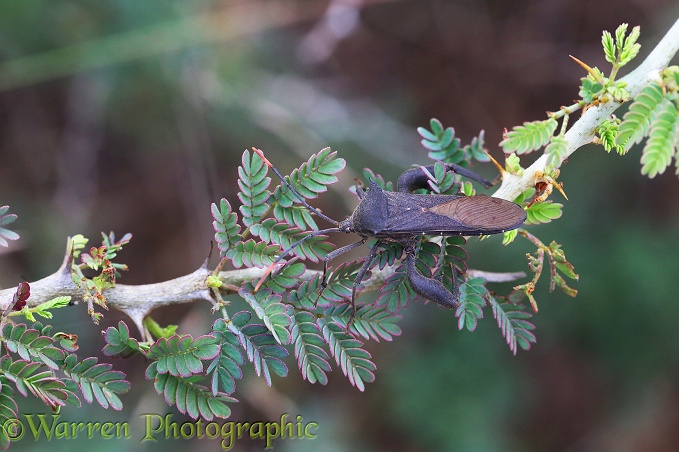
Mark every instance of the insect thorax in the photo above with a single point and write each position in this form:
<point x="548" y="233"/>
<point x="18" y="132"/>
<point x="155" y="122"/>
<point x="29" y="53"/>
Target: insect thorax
<point x="371" y="214"/>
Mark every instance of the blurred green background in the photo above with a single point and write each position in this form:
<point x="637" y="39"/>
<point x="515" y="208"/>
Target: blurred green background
<point x="132" y="116"/>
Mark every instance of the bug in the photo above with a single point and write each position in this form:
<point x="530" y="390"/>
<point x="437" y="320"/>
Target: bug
<point x="403" y="217"/>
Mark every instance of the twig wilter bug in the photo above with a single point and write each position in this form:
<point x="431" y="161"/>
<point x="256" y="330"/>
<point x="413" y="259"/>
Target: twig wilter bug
<point x="403" y="216"/>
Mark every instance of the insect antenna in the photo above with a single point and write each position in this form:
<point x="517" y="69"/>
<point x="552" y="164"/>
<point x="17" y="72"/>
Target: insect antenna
<point x="301" y="199"/>
<point x="288" y="250"/>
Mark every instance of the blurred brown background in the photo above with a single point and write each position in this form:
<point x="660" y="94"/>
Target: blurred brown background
<point x="132" y="117"/>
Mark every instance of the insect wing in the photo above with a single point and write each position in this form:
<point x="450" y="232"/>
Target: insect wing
<point x="484" y="214"/>
<point x="450" y="215"/>
<point x="408" y="214"/>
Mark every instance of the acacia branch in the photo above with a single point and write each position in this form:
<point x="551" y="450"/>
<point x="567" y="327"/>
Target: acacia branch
<point x="137" y="301"/>
<point x="582" y="131"/>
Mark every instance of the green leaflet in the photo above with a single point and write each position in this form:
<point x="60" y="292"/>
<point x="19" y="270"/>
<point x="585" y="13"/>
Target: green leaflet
<point x="396" y="291"/>
<point x="590" y="89"/>
<point x="259" y="345"/>
<point x="348" y="353"/>
<point x="5" y="219"/>
<point x="310" y="179"/>
<point x="662" y="140"/>
<point x="119" y="343"/>
<point x="182" y="356"/>
<point x="8" y="410"/>
<point x="253" y="183"/>
<point x="252" y="254"/>
<point x="269" y="309"/>
<point x="472" y="300"/>
<point x="283" y="234"/>
<point x="285" y="278"/>
<point x="30" y="344"/>
<point x="370" y="322"/>
<point x="445" y="147"/>
<point x="512" y="319"/>
<point x="226" y="226"/>
<point x="529" y="137"/>
<point x="556" y="150"/>
<point x="32" y="377"/>
<point x="637" y="121"/>
<point x="626" y="46"/>
<point x="191" y="398"/>
<point x="309" y="344"/>
<point x="226" y="366"/>
<point x="97" y="381"/>
<point x="338" y="287"/>
<point x="543" y="212"/>
<point x="608" y="134"/>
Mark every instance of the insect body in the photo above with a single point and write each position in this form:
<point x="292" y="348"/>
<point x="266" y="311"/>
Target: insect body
<point x="397" y="215"/>
<point x="403" y="217"/>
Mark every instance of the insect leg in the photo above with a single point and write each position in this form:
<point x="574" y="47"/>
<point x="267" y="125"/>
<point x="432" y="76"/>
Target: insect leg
<point x="466" y="172"/>
<point x="288" y="250"/>
<point x="329" y="257"/>
<point x="415" y="178"/>
<point x="359" y="276"/>
<point x="290" y="187"/>
<point x="429" y="288"/>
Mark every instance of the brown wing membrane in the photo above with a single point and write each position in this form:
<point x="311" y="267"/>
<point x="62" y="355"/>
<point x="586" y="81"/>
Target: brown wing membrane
<point x="482" y="212"/>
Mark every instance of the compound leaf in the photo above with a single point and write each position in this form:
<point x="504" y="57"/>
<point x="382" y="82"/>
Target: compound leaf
<point x="42" y="384"/>
<point x="97" y="381"/>
<point x="396" y="291"/>
<point x="253" y="183"/>
<point x="5" y="219"/>
<point x="662" y="140"/>
<point x="226" y="366"/>
<point x="119" y="344"/>
<point x="269" y="309"/>
<point x="28" y="343"/>
<point x="182" y="356"/>
<point x="191" y="398"/>
<point x="308" y="342"/>
<point x="370" y="322"/>
<point x="225" y="225"/>
<point x="252" y="254"/>
<point x="512" y="320"/>
<point x="271" y="231"/>
<point x="529" y="137"/>
<point x="260" y="346"/>
<point x="339" y="282"/>
<point x="637" y="121"/>
<point x="472" y="300"/>
<point x="352" y="359"/>
<point x="310" y="179"/>
<point x="543" y="212"/>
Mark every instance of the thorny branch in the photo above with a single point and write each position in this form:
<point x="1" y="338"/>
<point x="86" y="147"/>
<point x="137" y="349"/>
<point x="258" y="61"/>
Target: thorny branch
<point x="137" y="301"/>
<point x="582" y="131"/>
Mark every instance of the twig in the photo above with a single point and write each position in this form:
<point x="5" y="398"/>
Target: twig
<point x="137" y="301"/>
<point x="582" y="131"/>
